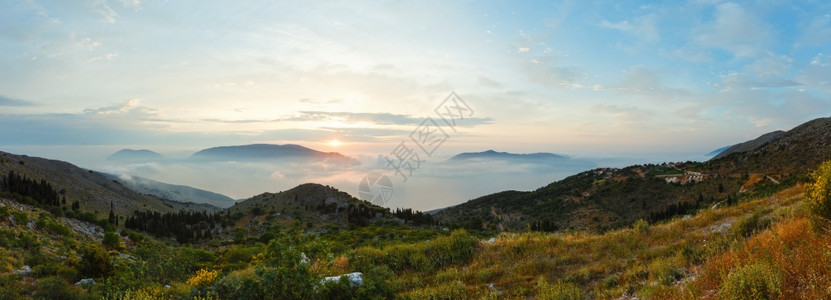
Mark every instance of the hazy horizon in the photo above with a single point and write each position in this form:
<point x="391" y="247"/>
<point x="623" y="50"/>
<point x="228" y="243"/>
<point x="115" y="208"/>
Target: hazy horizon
<point x="436" y="184"/>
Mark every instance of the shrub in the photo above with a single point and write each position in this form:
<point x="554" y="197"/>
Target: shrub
<point x="641" y="227"/>
<point x="818" y="197"/>
<point x="750" y="225"/>
<point x="203" y="277"/>
<point x="450" y="291"/>
<point x="20" y="218"/>
<point x="112" y="241"/>
<point x="663" y="271"/>
<point x="56" y="288"/>
<point x="364" y="258"/>
<point x="559" y="290"/>
<point x="756" y="281"/>
<point x="240" y="284"/>
<point x="95" y="261"/>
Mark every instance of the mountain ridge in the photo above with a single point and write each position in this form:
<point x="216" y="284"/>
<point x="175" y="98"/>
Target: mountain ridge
<point x="260" y="152"/>
<point x="505" y="155"/>
<point x="94" y="192"/>
<point x="750" y="145"/>
<point x="132" y="155"/>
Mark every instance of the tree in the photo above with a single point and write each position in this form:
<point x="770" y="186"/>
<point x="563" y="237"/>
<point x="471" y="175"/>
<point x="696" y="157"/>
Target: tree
<point x="818" y="197"/>
<point x="112" y="217"/>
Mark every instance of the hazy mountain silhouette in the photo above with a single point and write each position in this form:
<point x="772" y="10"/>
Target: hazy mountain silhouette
<point x="265" y="152"/>
<point x="540" y="160"/>
<point x="719" y="150"/>
<point x="130" y="155"/>
<point x="491" y="154"/>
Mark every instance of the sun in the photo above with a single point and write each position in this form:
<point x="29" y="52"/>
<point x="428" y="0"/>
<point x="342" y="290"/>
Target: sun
<point x="334" y="143"/>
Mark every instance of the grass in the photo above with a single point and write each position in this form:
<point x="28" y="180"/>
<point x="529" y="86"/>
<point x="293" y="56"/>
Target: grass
<point x="673" y="259"/>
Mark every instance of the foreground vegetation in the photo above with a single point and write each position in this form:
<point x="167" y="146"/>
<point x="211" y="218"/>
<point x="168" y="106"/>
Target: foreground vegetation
<point x="774" y="246"/>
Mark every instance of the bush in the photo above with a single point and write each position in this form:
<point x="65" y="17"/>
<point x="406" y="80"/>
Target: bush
<point x="757" y="281"/>
<point x="56" y="288"/>
<point x="750" y="225"/>
<point x="95" y="262"/>
<point x="112" y="241"/>
<point x="20" y="218"/>
<point x="641" y="227"/>
<point x="559" y="290"/>
<point x="53" y="227"/>
<point x="365" y="258"/>
<point x="818" y="197"/>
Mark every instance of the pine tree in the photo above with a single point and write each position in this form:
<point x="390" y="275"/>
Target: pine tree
<point x="112" y="217"/>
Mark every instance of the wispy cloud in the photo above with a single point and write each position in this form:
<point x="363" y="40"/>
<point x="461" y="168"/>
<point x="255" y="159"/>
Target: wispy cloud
<point x="644" y="27"/>
<point x="735" y="29"/>
<point x="8" y="101"/>
<point x="351" y="118"/>
<point x="103" y="9"/>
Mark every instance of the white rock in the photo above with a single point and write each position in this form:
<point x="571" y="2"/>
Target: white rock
<point x="25" y="271"/>
<point x="85" y="282"/>
<point x="356" y="278"/>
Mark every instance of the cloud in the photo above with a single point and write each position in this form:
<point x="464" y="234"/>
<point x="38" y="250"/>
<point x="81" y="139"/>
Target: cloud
<point x="101" y="8"/>
<point x="7" y="101"/>
<point x="547" y="71"/>
<point x="647" y="82"/>
<point x="817" y="74"/>
<point x="736" y="30"/>
<point x="776" y="110"/>
<point x="487" y="82"/>
<point x="312" y="101"/>
<point x="744" y="80"/>
<point x="769" y="71"/>
<point x="135" y="4"/>
<point x="129" y="107"/>
<point x="817" y="33"/>
<point x="625" y="115"/>
<point x="644" y="27"/>
<point x="351" y="118"/>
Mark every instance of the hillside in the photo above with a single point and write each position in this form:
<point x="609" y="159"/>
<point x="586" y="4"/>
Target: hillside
<point x="178" y="193"/>
<point x="313" y="204"/>
<point x="597" y="199"/>
<point x="610" y="198"/>
<point x="92" y="190"/>
<point x="267" y="152"/>
<point x="749" y="145"/>
<point x="798" y="150"/>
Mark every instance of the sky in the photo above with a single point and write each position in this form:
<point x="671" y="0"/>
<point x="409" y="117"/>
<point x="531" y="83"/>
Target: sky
<point x="643" y="80"/>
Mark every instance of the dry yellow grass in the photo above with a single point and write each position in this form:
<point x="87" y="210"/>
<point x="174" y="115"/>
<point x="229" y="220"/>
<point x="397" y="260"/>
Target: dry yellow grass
<point x="682" y="258"/>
